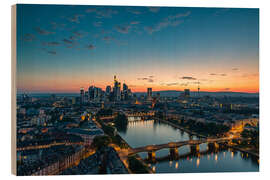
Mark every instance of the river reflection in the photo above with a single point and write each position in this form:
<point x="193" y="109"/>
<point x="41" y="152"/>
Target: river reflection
<point x="141" y="133"/>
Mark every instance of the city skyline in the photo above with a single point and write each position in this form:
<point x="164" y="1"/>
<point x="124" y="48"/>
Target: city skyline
<point x="162" y="48"/>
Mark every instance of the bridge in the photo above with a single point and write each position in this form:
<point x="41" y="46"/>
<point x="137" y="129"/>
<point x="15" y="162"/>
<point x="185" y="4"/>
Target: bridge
<point x="213" y="143"/>
<point x="140" y="114"/>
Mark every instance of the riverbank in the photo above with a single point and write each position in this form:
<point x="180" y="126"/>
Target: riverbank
<point x="197" y="134"/>
<point x="246" y="151"/>
<point x="181" y="128"/>
<point x="133" y="164"/>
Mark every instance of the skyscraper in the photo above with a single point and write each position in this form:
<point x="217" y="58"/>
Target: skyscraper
<point x="125" y="92"/>
<point x="82" y="95"/>
<point x="149" y="93"/>
<point x="186" y="92"/>
<point x="108" y="90"/>
<point x="117" y="90"/>
<point x="91" y="93"/>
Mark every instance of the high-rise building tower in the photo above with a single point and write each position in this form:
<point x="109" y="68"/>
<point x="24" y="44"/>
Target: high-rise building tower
<point x="117" y="90"/>
<point x="82" y="95"/>
<point x="186" y="92"/>
<point x="108" y="90"/>
<point x="198" y="89"/>
<point x="149" y="93"/>
<point x="125" y="92"/>
<point x="91" y="93"/>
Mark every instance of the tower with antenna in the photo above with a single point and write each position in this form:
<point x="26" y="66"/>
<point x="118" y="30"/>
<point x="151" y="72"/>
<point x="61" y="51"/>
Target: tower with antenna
<point x="198" y="88"/>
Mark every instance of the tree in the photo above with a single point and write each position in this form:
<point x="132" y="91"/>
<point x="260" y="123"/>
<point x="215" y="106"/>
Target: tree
<point x="100" y="142"/>
<point x="121" y="122"/>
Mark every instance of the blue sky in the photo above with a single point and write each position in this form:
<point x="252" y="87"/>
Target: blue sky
<point x="60" y="48"/>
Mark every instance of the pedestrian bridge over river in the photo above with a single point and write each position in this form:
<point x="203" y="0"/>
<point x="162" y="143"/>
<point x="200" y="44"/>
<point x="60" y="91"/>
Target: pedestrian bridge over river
<point x="173" y="146"/>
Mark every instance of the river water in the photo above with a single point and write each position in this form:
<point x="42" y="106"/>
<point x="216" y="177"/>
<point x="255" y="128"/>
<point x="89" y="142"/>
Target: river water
<point x="150" y="132"/>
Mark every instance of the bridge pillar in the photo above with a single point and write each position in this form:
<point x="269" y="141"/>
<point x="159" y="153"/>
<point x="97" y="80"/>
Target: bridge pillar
<point x="151" y="155"/>
<point x="174" y="152"/>
<point x="194" y="149"/>
<point x="213" y="146"/>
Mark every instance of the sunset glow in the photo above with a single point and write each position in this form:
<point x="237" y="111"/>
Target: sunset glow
<point x="167" y="49"/>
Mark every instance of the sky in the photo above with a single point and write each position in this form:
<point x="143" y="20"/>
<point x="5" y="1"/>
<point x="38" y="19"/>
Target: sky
<point x="63" y="48"/>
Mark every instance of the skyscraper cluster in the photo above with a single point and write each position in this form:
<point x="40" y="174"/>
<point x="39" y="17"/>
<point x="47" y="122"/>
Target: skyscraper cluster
<point x="114" y="93"/>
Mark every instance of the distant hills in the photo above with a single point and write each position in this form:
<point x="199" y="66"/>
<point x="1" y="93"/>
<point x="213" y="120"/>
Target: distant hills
<point x="168" y="93"/>
<point x="173" y="93"/>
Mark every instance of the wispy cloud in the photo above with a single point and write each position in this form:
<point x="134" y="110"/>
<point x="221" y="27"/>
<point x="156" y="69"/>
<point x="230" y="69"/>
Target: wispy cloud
<point x="52" y="43"/>
<point x="124" y="29"/>
<point x="58" y="25"/>
<point x="188" y="78"/>
<point x="29" y="37"/>
<point x="134" y="11"/>
<point x="172" y="84"/>
<point x="75" y="18"/>
<point x="90" y="47"/>
<point x="235" y="69"/>
<point x="214" y="74"/>
<point x="184" y="84"/>
<point x="173" y="20"/>
<point x="43" y="31"/>
<point x="250" y="75"/>
<point x="67" y="41"/>
<point x="102" y="12"/>
<point x="134" y="22"/>
<point x="154" y="9"/>
<point x="148" y="79"/>
<point x="108" y="39"/>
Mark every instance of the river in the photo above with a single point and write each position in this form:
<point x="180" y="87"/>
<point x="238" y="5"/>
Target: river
<point x="150" y="132"/>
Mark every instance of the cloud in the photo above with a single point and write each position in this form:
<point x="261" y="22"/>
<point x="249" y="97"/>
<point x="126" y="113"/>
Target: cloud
<point x="173" y="20"/>
<point x="77" y="35"/>
<point x="123" y="29"/>
<point x="90" y="10"/>
<point x="106" y="13"/>
<point x="184" y="84"/>
<point x="75" y="18"/>
<point x="172" y="84"/>
<point x="179" y="15"/>
<point x="108" y="39"/>
<point x="226" y="89"/>
<point x="90" y="47"/>
<point x="52" y="52"/>
<point x="134" y="22"/>
<point x="67" y="41"/>
<point x="134" y="11"/>
<point x="235" y="69"/>
<point x="43" y="31"/>
<point x="57" y="25"/>
<point x="151" y="76"/>
<point x="214" y="74"/>
<point x="188" y="78"/>
<point x="154" y="9"/>
<point x="250" y="75"/>
<point x="29" y="37"/>
<point x="52" y="43"/>
<point x="148" y="79"/>
<point x="102" y="12"/>
<point x="195" y="83"/>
